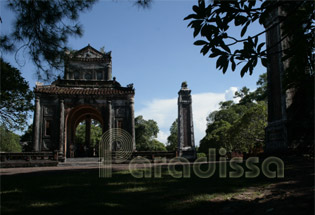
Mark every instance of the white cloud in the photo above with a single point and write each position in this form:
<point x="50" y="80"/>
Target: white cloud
<point x="202" y="105"/>
<point x="162" y="137"/>
<point x="164" y="112"/>
<point x="230" y="93"/>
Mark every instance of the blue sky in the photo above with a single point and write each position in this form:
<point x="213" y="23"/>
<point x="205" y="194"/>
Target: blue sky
<point x="153" y="48"/>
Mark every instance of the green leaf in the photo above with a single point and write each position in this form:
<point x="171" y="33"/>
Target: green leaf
<point x="207" y="30"/>
<point x="256" y="41"/>
<point x="200" y="42"/>
<point x="197" y="26"/>
<point x="201" y="4"/>
<point x="244" y="29"/>
<point x="244" y="69"/>
<point x="218" y="21"/>
<point x="250" y="41"/>
<point x="225" y="47"/>
<point x="220" y="62"/>
<point x="260" y="46"/>
<point x="254" y="62"/>
<point x="215" y="52"/>
<point x="233" y="64"/>
<point x="205" y="49"/>
<point x="264" y="62"/>
<point x="195" y="8"/>
<point x="191" y="16"/>
<point x="213" y="55"/>
<point x="225" y="66"/>
<point x="197" y="30"/>
<point x="239" y="20"/>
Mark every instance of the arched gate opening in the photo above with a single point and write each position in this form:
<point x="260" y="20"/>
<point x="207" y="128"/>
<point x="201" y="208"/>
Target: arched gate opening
<point x="81" y="120"/>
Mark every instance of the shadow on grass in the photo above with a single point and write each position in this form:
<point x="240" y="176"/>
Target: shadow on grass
<point x="83" y="192"/>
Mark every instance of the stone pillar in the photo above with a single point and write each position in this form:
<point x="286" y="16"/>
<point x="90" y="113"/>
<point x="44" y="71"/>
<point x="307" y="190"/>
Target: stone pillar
<point x="104" y="117"/>
<point x="88" y="131"/>
<point x="276" y="132"/>
<point x="108" y="72"/>
<point x="132" y="118"/>
<point x="62" y="127"/>
<point x="109" y="103"/>
<point x="37" y="124"/>
<point x="110" y="124"/>
<point x="186" y="142"/>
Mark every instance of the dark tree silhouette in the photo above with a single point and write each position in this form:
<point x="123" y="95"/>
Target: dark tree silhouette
<point x="42" y="29"/>
<point x="16" y="98"/>
<point x="213" y="21"/>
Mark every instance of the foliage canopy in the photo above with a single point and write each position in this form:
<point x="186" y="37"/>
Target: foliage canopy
<point x="9" y="141"/>
<point x="172" y="140"/>
<point x="42" y="30"/>
<point x="213" y="21"/>
<point x="96" y="133"/>
<point x="16" y="98"/>
<point x="146" y="132"/>
<point x="238" y="127"/>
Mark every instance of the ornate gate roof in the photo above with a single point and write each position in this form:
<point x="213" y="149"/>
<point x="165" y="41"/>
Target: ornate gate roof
<point x="87" y="72"/>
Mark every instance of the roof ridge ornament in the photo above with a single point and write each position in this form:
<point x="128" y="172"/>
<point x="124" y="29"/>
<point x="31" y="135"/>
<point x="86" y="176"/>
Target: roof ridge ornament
<point x="184" y="85"/>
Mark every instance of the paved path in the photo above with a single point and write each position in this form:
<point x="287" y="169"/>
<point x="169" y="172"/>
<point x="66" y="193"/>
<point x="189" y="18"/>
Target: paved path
<point x="13" y="171"/>
<point x="68" y="166"/>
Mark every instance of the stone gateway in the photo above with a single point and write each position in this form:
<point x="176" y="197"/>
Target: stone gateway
<point x="86" y="92"/>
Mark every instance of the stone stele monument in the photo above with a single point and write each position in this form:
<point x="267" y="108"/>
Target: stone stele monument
<point x="186" y="141"/>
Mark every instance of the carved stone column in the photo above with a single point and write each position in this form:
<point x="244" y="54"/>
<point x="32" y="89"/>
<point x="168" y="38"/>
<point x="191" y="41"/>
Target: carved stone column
<point x="276" y="132"/>
<point x="36" y="124"/>
<point x="108" y="72"/>
<point x="186" y="142"/>
<point x="88" y="131"/>
<point x="62" y="127"/>
<point x="132" y="118"/>
<point x="109" y="103"/>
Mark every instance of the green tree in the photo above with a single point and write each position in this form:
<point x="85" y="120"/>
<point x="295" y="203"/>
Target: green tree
<point x="219" y="123"/>
<point x="216" y="137"/>
<point x="172" y="140"/>
<point x="247" y="134"/>
<point x="96" y="133"/>
<point x="27" y="138"/>
<point x="213" y="21"/>
<point x="42" y="29"/>
<point x="229" y="112"/>
<point x="28" y="134"/>
<point x="158" y="146"/>
<point x="260" y="94"/>
<point x="238" y="127"/>
<point x="9" y="141"/>
<point x="244" y="133"/>
<point x="16" y="98"/>
<point x="146" y="132"/>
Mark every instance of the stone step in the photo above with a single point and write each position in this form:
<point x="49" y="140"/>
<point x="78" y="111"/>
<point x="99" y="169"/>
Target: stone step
<point x="84" y="161"/>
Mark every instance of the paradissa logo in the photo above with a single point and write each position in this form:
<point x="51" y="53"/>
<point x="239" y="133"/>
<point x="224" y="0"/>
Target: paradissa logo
<point x="199" y="165"/>
<point x="116" y="147"/>
<point x="206" y="167"/>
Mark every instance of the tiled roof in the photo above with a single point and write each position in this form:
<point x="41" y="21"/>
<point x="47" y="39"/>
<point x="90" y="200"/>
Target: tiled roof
<point x="82" y="91"/>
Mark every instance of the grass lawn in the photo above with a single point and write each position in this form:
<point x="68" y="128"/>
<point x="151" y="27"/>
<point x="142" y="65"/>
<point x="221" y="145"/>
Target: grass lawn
<point x="83" y="192"/>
